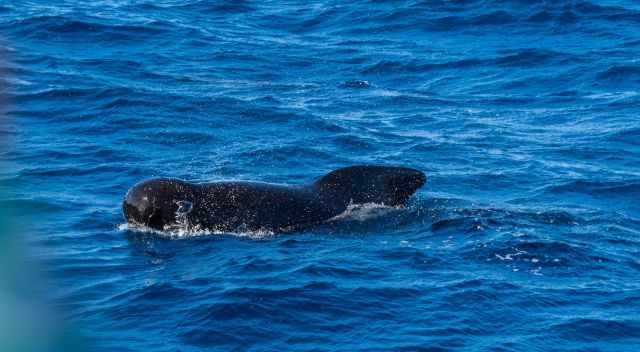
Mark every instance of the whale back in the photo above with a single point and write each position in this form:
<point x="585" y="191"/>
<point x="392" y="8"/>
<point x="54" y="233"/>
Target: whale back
<point x="370" y="184"/>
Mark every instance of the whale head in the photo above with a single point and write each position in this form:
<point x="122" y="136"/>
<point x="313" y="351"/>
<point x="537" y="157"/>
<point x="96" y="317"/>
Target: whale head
<point x="158" y="203"/>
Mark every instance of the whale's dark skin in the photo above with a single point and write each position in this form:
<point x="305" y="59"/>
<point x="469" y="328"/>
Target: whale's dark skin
<point x="165" y="203"/>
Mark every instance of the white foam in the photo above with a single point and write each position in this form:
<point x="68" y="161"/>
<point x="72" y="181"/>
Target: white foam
<point x="184" y="231"/>
<point x="364" y="212"/>
<point x="509" y="256"/>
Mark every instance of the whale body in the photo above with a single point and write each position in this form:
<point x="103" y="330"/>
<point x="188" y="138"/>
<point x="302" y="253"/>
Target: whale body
<point x="228" y="206"/>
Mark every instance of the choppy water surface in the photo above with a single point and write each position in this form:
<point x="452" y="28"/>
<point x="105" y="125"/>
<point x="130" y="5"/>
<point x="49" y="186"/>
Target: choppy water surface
<point x="524" y="115"/>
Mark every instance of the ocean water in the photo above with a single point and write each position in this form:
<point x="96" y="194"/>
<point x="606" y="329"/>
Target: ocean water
<point x="525" y="116"/>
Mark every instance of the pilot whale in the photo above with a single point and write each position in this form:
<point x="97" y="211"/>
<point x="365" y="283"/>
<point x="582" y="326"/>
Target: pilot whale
<point x="228" y="206"/>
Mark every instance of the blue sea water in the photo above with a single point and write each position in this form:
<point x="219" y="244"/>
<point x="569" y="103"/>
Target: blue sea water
<point x="525" y="116"/>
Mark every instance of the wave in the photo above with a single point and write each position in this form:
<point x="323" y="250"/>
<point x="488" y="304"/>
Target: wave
<point x="209" y="7"/>
<point x="72" y="93"/>
<point x="158" y="292"/>
<point x="415" y="258"/>
<point x="282" y="154"/>
<point x="523" y="58"/>
<point x="332" y="271"/>
<point x="64" y="28"/>
<point x="65" y="171"/>
<point x="628" y="136"/>
<point x="624" y="73"/>
<point x="35" y="206"/>
<point x="593" y="329"/>
<point x="609" y="189"/>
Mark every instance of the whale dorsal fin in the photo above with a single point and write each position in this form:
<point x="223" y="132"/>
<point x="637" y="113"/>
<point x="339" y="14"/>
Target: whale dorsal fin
<point x="371" y="184"/>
